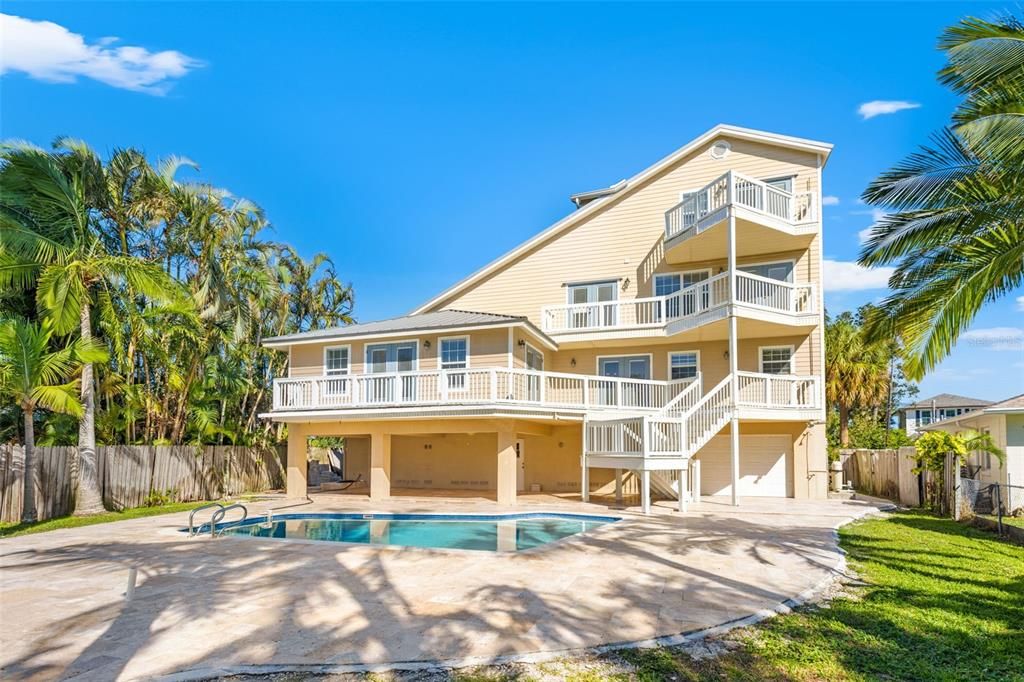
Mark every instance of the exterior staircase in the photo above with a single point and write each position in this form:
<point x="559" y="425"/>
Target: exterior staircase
<point x="665" y="441"/>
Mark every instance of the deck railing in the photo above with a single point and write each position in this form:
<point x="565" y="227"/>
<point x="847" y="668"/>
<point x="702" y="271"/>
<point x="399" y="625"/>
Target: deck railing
<point x="734" y="188"/>
<point x="476" y="386"/>
<point x="777" y="390"/>
<point x="694" y="300"/>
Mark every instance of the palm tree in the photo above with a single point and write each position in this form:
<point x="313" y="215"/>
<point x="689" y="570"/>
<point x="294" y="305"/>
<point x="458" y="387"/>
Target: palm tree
<point x="856" y="370"/>
<point x="34" y="376"/>
<point x="955" y="227"/>
<point x="51" y="207"/>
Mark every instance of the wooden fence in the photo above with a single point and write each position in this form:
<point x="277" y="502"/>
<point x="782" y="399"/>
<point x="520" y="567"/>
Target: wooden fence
<point x="130" y="473"/>
<point x="889" y="474"/>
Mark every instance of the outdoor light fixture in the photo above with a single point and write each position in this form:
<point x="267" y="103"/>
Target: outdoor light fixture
<point x="521" y="343"/>
<point x="426" y="344"/>
<point x="573" y="362"/>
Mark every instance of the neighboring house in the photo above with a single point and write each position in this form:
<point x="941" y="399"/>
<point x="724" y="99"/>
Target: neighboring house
<point x="1005" y="422"/>
<point x="674" y="318"/>
<point x="942" y="406"/>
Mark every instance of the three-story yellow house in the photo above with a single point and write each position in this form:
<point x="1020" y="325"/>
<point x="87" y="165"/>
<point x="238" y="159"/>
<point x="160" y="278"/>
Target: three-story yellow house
<point x="668" y="330"/>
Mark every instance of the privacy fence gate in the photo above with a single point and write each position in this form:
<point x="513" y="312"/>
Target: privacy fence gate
<point x="130" y="473"/>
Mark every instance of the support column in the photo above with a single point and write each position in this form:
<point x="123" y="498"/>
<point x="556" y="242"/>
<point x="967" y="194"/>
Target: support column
<point x="506" y="467"/>
<point x="734" y="389"/>
<point x="683" y="473"/>
<point x="380" y="465"/>
<point x="645" y="491"/>
<point x="618" y="486"/>
<point x="584" y="480"/>
<point x="297" y="461"/>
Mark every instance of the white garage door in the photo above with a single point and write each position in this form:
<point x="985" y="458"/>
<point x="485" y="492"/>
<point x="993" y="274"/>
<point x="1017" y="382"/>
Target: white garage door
<point x="765" y="466"/>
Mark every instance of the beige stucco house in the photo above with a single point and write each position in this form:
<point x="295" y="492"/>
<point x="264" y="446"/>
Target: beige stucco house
<point x="667" y="331"/>
<point x="1004" y="421"/>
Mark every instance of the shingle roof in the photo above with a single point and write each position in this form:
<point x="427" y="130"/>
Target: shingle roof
<point x="443" y="319"/>
<point x="948" y="400"/>
<point x="1014" y="403"/>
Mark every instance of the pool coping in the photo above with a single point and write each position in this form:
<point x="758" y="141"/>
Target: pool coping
<point x="812" y="594"/>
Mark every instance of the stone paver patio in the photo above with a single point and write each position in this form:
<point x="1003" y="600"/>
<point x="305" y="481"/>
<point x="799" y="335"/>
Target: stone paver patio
<point x="204" y="603"/>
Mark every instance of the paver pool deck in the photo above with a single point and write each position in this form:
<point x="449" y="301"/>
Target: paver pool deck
<point x="204" y="604"/>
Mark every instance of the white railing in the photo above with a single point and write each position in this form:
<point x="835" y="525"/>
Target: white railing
<point x="773" y="294"/>
<point x="777" y="391"/>
<point x="690" y="302"/>
<point x="476" y="386"/>
<point x="634" y="312"/>
<point x="733" y="188"/>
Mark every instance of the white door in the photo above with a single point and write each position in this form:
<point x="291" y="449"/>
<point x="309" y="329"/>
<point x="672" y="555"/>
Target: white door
<point x="765" y="466"/>
<point x="520" y="466"/>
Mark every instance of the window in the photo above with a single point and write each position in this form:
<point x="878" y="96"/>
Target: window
<point x="595" y="304"/>
<point x="785" y="184"/>
<point x="777" y="360"/>
<point x="534" y="358"/>
<point x="781" y="271"/>
<point x="924" y="416"/>
<point x="631" y="367"/>
<point x="667" y="284"/>
<point x="683" y="365"/>
<point x="455" y="355"/>
<point x="670" y="283"/>
<point x="336" y="360"/>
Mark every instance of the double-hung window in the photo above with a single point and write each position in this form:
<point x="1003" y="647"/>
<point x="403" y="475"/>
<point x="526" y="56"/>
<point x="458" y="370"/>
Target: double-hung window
<point x="683" y="365"/>
<point x="777" y="360"/>
<point x="455" y="355"/>
<point x="336" y="366"/>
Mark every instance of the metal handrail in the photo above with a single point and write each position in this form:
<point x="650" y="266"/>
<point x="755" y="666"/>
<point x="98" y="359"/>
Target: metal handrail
<point x="219" y="515"/>
<point x="191" y="526"/>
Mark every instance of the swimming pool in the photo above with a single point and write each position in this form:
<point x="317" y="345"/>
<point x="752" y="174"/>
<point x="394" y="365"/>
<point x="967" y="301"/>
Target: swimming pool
<point x="491" y="533"/>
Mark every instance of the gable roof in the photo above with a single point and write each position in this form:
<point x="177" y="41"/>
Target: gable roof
<point x="629" y="185"/>
<point x="442" y="320"/>
<point x="948" y="400"/>
<point x="1014" y="404"/>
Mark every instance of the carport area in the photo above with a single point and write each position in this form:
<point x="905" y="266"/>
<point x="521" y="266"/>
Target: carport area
<point x="204" y="604"/>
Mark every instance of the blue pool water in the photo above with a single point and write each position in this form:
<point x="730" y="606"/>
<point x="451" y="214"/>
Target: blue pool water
<point x="493" y="533"/>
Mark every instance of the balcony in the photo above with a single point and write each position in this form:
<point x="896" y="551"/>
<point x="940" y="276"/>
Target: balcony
<point x="775" y="207"/>
<point x="484" y="387"/>
<point x="756" y="297"/>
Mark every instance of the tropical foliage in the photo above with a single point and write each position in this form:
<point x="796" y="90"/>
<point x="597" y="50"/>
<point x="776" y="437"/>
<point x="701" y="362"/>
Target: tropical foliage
<point x="34" y="375"/>
<point x="955" y="224"/>
<point x="178" y="281"/>
<point x="864" y="382"/>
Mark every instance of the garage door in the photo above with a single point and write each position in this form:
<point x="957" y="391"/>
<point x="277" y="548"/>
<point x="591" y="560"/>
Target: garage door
<point x="765" y="466"/>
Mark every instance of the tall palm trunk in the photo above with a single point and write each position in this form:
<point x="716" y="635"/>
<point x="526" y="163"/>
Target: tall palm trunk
<point x="28" y="507"/>
<point x="89" y="499"/>
<point x="844" y="425"/>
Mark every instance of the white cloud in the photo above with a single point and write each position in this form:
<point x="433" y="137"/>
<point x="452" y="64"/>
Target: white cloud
<point x="1020" y="303"/>
<point x="880" y="107"/>
<point x="995" y="338"/>
<point x="829" y="200"/>
<point x="847" y="276"/>
<point x="876" y="217"/>
<point x="49" y="52"/>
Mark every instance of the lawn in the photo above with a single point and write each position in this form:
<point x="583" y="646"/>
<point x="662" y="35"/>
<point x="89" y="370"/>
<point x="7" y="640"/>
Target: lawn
<point x="12" y="529"/>
<point x="936" y="600"/>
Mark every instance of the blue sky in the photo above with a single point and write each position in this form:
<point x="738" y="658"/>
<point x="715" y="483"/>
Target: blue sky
<point x="392" y="136"/>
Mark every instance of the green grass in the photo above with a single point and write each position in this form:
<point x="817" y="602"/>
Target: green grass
<point x="13" y="529"/>
<point x="1017" y="521"/>
<point x="942" y="601"/>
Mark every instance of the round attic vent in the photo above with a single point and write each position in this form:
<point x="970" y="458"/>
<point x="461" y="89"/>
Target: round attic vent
<point x="720" y="149"/>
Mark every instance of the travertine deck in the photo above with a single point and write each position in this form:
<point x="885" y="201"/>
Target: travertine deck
<point x="232" y="601"/>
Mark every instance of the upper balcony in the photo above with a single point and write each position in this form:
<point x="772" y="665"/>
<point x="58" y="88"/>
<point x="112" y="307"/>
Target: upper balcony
<point x="757" y="298"/>
<point x="768" y="219"/>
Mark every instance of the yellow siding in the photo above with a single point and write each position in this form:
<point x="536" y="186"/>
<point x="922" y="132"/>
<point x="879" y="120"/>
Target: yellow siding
<point x="620" y="241"/>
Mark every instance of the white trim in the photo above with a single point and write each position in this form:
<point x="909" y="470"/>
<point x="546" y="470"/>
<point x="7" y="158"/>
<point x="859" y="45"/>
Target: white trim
<point x="543" y="358"/>
<point x="441" y="339"/>
<point x="773" y="261"/>
<point x="649" y="356"/>
<point x="760" y="357"/>
<point x="668" y="360"/>
<point x="348" y="368"/>
<point x="596" y="283"/>
<point x="400" y="335"/>
<point x="632" y="184"/>
<point x="289" y="362"/>
<point x="511" y="348"/>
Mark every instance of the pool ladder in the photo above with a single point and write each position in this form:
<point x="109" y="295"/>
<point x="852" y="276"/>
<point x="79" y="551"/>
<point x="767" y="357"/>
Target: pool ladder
<point x="217" y="516"/>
